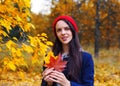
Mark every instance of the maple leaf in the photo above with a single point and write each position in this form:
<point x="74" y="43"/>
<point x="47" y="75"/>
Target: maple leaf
<point x="56" y="63"/>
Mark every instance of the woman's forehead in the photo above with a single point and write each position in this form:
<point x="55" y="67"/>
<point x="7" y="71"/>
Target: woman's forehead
<point x="61" y="23"/>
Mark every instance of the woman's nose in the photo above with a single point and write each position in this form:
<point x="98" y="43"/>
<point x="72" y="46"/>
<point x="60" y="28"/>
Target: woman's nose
<point x="63" y="31"/>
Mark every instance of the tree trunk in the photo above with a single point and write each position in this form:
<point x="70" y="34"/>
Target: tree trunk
<point x="108" y="38"/>
<point x="119" y="40"/>
<point x="97" y="31"/>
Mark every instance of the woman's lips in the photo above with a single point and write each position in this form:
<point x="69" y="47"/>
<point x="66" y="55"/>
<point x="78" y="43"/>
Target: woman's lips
<point x="64" y="38"/>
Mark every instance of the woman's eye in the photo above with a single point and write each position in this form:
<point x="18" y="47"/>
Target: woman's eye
<point x="67" y="28"/>
<point x="58" y="30"/>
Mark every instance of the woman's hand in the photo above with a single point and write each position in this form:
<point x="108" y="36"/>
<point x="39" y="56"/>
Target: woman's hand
<point x="46" y="75"/>
<point x="60" y="78"/>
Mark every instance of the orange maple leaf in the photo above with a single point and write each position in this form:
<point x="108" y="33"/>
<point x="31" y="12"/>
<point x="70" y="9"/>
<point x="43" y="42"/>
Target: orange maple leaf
<point x="56" y="63"/>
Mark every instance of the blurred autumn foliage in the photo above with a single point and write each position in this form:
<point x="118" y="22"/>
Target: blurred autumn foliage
<point x="24" y="38"/>
<point x="20" y="53"/>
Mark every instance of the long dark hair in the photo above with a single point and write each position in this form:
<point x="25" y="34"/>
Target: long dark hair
<point x="75" y="59"/>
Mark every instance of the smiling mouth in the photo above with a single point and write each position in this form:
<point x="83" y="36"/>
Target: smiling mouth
<point x="64" y="38"/>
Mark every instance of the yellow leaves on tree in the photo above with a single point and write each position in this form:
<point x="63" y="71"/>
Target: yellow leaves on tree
<point x="27" y="48"/>
<point x="13" y="64"/>
<point x="47" y="58"/>
<point x="8" y="64"/>
<point x="17" y="14"/>
<point x="40" y="47"/>
<point x="24" y="56"/>
<point x="15" y="52"/>
<point x="10" y="44"/>
<point x="19" y="55"/>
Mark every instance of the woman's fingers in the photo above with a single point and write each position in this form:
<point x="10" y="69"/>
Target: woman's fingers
<point x="46" y="78"/>
<point x="58" y="77"/>
<point x="47" y="71"/>
<point x="57" y="74"/>
<point x="50" y="75"/>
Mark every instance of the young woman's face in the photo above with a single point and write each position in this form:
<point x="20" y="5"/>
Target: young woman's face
<point x="63" y="32"/>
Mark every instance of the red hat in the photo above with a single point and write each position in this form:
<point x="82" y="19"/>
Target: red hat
<point x="70" y="19"/>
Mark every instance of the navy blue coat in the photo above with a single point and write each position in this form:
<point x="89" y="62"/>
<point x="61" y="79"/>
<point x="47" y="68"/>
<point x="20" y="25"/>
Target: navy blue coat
<point x="86" y="76"/>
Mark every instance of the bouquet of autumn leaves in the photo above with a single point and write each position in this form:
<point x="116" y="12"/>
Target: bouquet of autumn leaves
<point x="55" y="62"/>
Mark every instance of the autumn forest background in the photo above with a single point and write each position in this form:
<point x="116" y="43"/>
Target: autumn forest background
<point x="26" y="38"/>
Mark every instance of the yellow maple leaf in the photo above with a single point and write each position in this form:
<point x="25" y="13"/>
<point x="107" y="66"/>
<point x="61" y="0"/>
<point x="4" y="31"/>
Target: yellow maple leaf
<point x="27" y="48"/>
<point x="5" y="60"/>
<point x="35" y="60"/>
<point x="49" y="43"/>
<point x="11" y="66"/>
<point x="13" y="50"/>
<point x="18" y="18"/>
<point x="21" y="75"/>
<point x="3" y="33"/>
<point x="27" y="27"/>
<point x="15" y="38"/>
<point x="18" y="52"/>
<point x="47" y="58"/>
<point x="10" y="44"/>
<point x="33" y="41"/>
<point x="44" y="34"/>
<point x="27" y="3"/>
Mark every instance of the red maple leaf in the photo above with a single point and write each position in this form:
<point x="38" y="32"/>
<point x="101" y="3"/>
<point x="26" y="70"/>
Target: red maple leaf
<point x="56" y="63"/>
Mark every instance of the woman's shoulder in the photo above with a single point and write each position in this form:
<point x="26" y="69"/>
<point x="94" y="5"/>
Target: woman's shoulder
<point x="86" y="57"/>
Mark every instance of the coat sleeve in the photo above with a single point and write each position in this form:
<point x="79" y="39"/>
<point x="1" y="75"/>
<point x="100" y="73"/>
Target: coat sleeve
<point x="43" y="83"/>
<point x="87" y="74"/>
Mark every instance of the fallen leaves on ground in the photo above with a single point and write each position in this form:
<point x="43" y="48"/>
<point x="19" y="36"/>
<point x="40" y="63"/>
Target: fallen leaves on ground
<point x="20" y="79"/>
<point x="107" y="72"/>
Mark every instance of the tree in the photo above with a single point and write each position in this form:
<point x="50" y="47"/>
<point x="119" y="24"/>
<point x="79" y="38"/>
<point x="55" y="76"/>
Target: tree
<point x="110" y="23"/>
<point x="97" y="31"/>
<point x="41" y="24"/>
<point x="17" y="17"/>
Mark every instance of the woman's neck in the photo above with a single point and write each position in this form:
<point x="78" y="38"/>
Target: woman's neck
<point x="65" y="49"/>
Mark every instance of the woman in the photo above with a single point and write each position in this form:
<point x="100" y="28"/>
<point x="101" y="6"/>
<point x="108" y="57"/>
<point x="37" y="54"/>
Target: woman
<point x="79" y="70"/>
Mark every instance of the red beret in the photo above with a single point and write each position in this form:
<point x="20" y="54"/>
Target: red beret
<point x="70" y="19"/>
